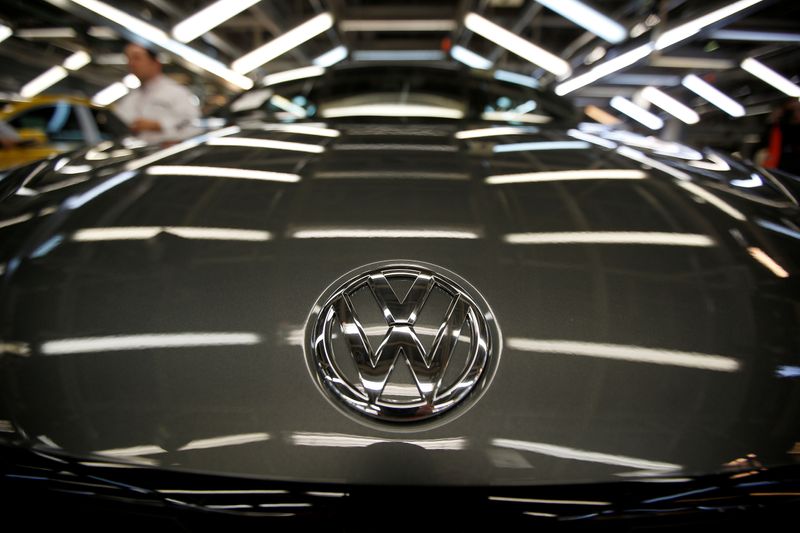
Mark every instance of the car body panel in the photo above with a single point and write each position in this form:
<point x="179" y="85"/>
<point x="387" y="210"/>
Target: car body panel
<point x="154" y="313"/>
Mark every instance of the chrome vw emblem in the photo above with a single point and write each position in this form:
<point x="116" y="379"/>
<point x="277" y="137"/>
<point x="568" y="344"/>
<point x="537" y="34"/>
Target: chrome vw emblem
<point x="402" y="342"/>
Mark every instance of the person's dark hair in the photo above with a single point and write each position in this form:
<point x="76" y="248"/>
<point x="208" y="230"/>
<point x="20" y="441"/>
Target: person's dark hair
<point x="152" y="53"/>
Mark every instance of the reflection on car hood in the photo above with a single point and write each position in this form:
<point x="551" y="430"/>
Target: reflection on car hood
<point x="153" y="309"/>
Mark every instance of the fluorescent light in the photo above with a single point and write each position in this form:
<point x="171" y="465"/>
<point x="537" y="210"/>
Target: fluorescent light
<point x="563" y="452"/>
<point x="219" y="442"/>
<point x="470" y="58"/>
<point x="691" y="62"/>
<point x="713" y="95"/>
<point x="220" y="172"/>
<point x="282" y="44"/>
<point x="208" y="18"/>
<point x="588" y="18"/>
<point x="516" y="78"/>
<point x="600" y="115"/>
<point x="147" y="342"/>
<point x="131" y="81"/>
<point x="567" y="175"/>
<point x="358" y="233"/>
<point x="766" y="74"/>
<point x="116" y="234"/>
<point x="47" y="33"/>
<point x="761" y="256"/>
<point x="398" y="25"/>
<point x="291" y="75"/>
<point x="288" y="106"/>
<point x="392" y="110"/>
<point x="645" y="79"/>
<point x="41" y="82"/>
<point x="611" y="237"/>
<point x="267" y="143"/>
<point x="604" y="69"/>
<point x="517" y="45"/>
<point x="493" y="132"/>
<point x="670" y="105"/>
<point x="758" y="36"/>
<point x="103" y="32"/>
<point x="77" y="61"/>
<point x="540" y="145"/>
<point x="398" y="55"/>
<point x="594" y="139"/>
<point x="510" y="116"/>
<point x="633" y="354"/>
<point x="160" y="38"/>
<point x="110" y="94"/>
<point x="5" y="32"/>
<point x="331" y="57"/>
<point x="693" y="27"/>
<point x="111" y="59"/>
<point x="637" y="113"/>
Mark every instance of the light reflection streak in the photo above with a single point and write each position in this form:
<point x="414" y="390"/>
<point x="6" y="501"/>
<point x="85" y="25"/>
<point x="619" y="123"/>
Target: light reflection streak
<point x="16" y="220"/>
<point x="146" y="342"/>
<point x="714" y="163"/>
<point x="186" y="232"/>
<point x="305" y="129"/>
<point x="563" y="452"/>
<point x="548" y="502"/>
<point x="493" y="132"/>
<point x="636" y="155"/>
<point x="594" y="139"/>
<point x="510" y="116"/>
<point x="620" y="352"/>
<point x="133" y="451"/>
<point x="361" y="174"/>
<point x="713" y="199"/>
<point x="392" y="110"/>
<point x="761" y="256"/>
<point x="778" y="228"/>
<point x="339" y="440"/>
<point x="234" y="491"/>
<point x="567" y="175"/>
<point x="356" y="233"/>
<point x="539" y="146"/>
<point x="611" y="237"/>
<point x="222" y="172"/>
<point x="246" y="142"/>
<point x="230" y="440"/>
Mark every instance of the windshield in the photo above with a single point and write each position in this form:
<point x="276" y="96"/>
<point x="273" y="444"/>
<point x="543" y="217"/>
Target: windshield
<point x="401" y="92"/>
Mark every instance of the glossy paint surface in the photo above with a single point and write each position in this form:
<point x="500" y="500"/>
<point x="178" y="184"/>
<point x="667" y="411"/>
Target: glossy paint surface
<point x="153" y="303"/>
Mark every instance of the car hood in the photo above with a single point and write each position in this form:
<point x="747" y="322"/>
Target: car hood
<point x="154" y="306"/>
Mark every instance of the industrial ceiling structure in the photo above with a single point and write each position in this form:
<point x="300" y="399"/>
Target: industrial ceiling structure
<point x="655" y="65"/>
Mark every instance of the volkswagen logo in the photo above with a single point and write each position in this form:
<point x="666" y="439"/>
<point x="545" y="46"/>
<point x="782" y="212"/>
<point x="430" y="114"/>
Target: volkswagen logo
<point x="402" y="342"/>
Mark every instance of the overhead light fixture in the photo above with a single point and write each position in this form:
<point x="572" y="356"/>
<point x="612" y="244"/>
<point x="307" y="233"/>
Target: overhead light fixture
<point x="331" y="57"/>
<point x="670" y="105"/>
<point x="111" y="59"/>
<point x="758" y="36"/>
<point x="633" y="354"/>
<point x="516" y="78"/>
<point x="517" y="45"/>
<point x="282" y="44"/>
<point x="160" y="38"/>
<point x="44" y="80"/>
<point x="645" y="79"/>
<point x="766" y="74"/>
<point x="5" y="32"/>
<point x="398" y="25"/>
<point x="110" y="94"/>
<point x="77" y="61"/>
<point x="221" y="172"/>
<point x="266" y="143"/>
<point x="652" y="238"/>
<point x="540" y="146"/>
<point x="208" y="18"/>
<point x="567" y="175"/>
<point x="287" y="105"/>
<point x="392" y="110"/>
<point x="470" y="58"/>
<point x="604" y="69"/>
<point x="623" y="105"/>
<point x="291" y="75"/>
<point x="601" y="116"/>
<point x="398" y="55"/>
<point x="594" y="139"/>
<point x="695" y="26"/>
<point x="713" y="95"/>
<point x="46" y="33"/>
<point x="761" y="256"/>
<point x="663" y="61"/>
<point x="588" y="18"/>
<point x="103" y="32"/>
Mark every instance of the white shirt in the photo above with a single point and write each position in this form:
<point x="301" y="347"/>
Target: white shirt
<point x="164" y="100"/>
